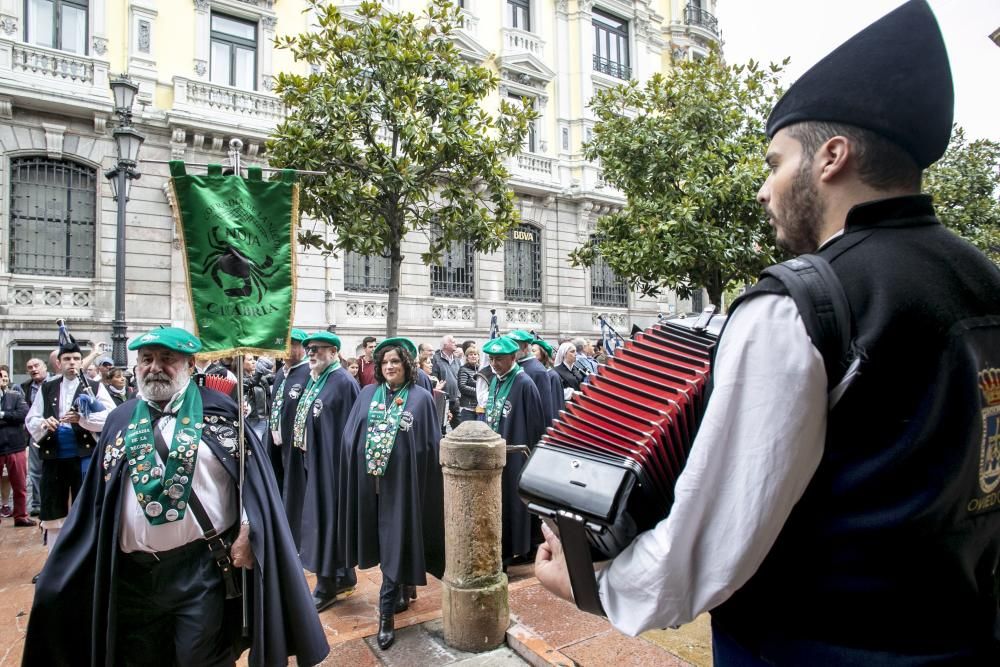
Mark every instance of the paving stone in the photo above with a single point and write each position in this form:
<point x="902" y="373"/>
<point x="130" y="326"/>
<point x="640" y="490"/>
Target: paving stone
<point x="558" y="622"/>
<point x="501" y="657"/>
<point x="355" y="653"/>
<point x="414" y="647"/>
<point x="614" y="648"/>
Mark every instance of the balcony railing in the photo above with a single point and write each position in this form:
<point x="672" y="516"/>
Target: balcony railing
<point x="538" y="165"/>
<point x="612" y="68"/>
<point x="696" y="16"/>
<point x="228" y="101"/>
<point x="520" y="41"/>
<point x="53" y="64"/>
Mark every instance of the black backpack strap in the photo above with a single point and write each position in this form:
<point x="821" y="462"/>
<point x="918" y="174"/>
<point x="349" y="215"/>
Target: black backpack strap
<point x="823" y="307"/>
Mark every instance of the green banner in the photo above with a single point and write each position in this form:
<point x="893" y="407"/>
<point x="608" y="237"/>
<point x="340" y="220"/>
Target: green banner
<point x="238" y="238"/>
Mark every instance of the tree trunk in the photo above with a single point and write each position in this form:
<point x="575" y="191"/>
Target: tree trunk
<point x="395" y="273"/>
<point x="714" y="289"/>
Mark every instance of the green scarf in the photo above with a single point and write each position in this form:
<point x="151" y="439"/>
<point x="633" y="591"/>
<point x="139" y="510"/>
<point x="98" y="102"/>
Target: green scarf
<point x="497" y="397"/>
<point x="279" y="399"/>
<point x="163" y="489"/>
<point x="314" y="386"/>
<point x="383" y="425"/>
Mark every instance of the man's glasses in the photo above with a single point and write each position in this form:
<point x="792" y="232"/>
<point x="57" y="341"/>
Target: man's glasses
<point x="312" y="349"/>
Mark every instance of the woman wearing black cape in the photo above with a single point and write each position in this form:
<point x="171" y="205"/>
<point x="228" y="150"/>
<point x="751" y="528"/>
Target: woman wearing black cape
<point x="391" y="488"/>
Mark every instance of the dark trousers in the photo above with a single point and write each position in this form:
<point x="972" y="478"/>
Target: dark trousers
<point x="170" y="612"/>
<point x="35" y="478"/>
<point x="61" y="478"/>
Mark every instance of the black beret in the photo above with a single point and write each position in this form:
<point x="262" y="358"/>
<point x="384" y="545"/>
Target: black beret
<point x="892" y="78"/>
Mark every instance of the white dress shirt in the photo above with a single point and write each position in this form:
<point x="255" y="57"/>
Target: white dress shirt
<point x="35" y="421"/>
<point x="760" y="442"/>
<point x="212" y="484"/>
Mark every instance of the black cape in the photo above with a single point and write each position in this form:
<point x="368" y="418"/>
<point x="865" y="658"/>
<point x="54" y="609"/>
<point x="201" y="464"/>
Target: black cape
<point x="522" y="423"/>
<point x="73" y="619"/>
<point x="536" y="370"/>
<point x="407" y="516"/>
<point x="311" y="477"/>
<point x="556" y="391"/>
<point x="279" y="454"/>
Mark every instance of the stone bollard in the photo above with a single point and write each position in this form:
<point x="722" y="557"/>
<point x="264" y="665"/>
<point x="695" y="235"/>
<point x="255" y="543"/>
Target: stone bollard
<point x="474" y="602"/>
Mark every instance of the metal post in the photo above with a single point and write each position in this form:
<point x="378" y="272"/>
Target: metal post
<point x="119" y="329"/>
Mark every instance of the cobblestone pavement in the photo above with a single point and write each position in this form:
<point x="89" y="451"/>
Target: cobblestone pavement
<point x="544" y="630"/>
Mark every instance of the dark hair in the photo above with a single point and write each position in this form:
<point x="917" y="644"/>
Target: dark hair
<point x="368" y="339"/>
<point x="546" y="359"/>
<point x="467" y="344"/>
<point x="409" y="365"/>
<point x="113" y="373"/>
<point x="882" y="164"/>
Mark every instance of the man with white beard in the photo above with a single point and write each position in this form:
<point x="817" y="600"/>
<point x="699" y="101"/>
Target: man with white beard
<point x="154" y="543"/>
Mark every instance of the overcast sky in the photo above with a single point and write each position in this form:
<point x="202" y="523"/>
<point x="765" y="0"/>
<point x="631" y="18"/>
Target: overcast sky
<point x="806" y="30"/>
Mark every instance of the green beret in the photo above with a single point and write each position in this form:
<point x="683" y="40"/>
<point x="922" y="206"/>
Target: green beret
<point x="501" y="345"/>
<point x="545" y="346"/>
<point x="299" y="335"/>
<point x="172" y="338"/>
<point x="521" y="336"/>
<point x="322" y="337"/>
<point x="399" y="342"/>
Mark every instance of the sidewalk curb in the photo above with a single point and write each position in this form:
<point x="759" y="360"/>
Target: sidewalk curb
<point x="534" y="649"/>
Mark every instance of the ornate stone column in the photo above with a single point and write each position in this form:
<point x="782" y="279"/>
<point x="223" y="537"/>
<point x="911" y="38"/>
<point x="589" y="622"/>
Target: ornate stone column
<point x="474" y="601"/>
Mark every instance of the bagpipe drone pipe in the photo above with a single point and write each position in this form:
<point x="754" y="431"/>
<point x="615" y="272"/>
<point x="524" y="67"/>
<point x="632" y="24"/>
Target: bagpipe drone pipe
<point x="606" y="467"/>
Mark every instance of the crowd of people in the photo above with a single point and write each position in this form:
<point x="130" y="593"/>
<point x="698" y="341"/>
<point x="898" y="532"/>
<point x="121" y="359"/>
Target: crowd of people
<point x="351" y="477"/>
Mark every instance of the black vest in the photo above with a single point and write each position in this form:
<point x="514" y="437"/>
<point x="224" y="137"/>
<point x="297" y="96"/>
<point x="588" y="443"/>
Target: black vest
<point x="85" y="440"/>
<point x="895" y="543"/>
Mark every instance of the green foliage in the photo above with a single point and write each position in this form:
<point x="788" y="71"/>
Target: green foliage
<point x="965" y="184"/>
<point x="393" y="114"/>
<point x="687" y="150"/>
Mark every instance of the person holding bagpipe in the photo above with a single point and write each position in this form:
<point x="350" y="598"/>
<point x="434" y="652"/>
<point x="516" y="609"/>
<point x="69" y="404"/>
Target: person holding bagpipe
<point x="841" y="508"/>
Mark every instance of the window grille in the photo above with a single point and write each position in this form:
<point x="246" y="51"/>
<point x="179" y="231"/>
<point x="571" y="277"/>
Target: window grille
<point x="57" y="24"/>
<point x="606" y="288"/>
<point x="611" y="54"/>
<point x="519" y="12"/>
<point x="53" y="208"/>
<point x="366" y="273"/>
<point x="455" y="276"/>
<point x="523" y="264"/>
<point x="234" y="52"/>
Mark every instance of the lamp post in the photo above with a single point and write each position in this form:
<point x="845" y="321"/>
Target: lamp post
<point x="127" y="143"/>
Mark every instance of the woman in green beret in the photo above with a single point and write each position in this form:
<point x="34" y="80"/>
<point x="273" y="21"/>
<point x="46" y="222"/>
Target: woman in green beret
<point x="392" y="493"/>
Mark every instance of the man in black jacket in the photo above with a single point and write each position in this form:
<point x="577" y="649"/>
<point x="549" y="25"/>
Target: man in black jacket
<point x="38" y="374"/>
<point x="13" y="410"/>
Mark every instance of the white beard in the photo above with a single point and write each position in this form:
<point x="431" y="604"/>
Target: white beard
<point x="160" y="390"/>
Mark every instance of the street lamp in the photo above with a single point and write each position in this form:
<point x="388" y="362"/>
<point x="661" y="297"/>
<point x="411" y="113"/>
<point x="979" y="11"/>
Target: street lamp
<point x="127" y="144"/>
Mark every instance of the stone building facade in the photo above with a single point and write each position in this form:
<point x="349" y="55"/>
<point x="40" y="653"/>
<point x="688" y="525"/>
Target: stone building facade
<point x="205" y="70"/>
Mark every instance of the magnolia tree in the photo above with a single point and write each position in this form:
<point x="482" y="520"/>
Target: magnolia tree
<point x="395" y="117"/>
<point x="687" y="151"/>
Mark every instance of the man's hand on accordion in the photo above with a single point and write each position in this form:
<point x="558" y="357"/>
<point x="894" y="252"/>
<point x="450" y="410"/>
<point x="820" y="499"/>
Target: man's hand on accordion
<point x="550" y="566"/>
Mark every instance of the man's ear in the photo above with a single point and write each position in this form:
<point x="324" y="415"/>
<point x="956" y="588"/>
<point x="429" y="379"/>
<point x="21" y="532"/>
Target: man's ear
<point x="833" y="157"/>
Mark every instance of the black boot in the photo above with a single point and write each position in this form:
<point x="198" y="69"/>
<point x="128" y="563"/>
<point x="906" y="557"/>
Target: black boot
<point x="386" y="631"/>
<point x="403" y="600"/>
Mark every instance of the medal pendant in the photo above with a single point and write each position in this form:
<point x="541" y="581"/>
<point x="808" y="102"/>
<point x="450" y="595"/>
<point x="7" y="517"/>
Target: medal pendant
<point x="171" y="514"/>
<point x="154" y="509"/>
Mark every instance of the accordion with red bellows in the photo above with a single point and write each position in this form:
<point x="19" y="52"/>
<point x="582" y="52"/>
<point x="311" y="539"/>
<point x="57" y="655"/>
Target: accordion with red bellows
<point x="606" y="467"/>
<point x="220" y="383"/>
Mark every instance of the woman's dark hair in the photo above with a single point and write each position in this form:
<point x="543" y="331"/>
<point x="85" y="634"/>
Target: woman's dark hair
<point x="467" y="344"/>
<point x="546" y="359"/>
<point x="409" y="365"/>
<point x="113" y="373"/>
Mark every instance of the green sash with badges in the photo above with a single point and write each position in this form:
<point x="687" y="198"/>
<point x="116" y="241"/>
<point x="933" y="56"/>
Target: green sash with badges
<point x="497" y="397"/>
<point x="313" y="387"/>
<point x="163" y="489"/>
<point x="383" y="425"/>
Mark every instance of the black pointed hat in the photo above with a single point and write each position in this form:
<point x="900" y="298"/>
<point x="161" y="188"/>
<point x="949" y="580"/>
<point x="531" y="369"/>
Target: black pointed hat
<point x="892" y="78"/>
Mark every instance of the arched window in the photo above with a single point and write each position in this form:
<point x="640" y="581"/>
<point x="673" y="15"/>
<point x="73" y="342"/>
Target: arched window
<point x="366" y="273"/>
<point x="523" y="264"/>
<point x="53" y="209"/>
<point x="455" y="276"/>
<point x="606" y="288"/>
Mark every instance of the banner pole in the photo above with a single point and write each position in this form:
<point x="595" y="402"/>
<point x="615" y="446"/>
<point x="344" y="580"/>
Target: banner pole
<point x="235" y="147"/>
